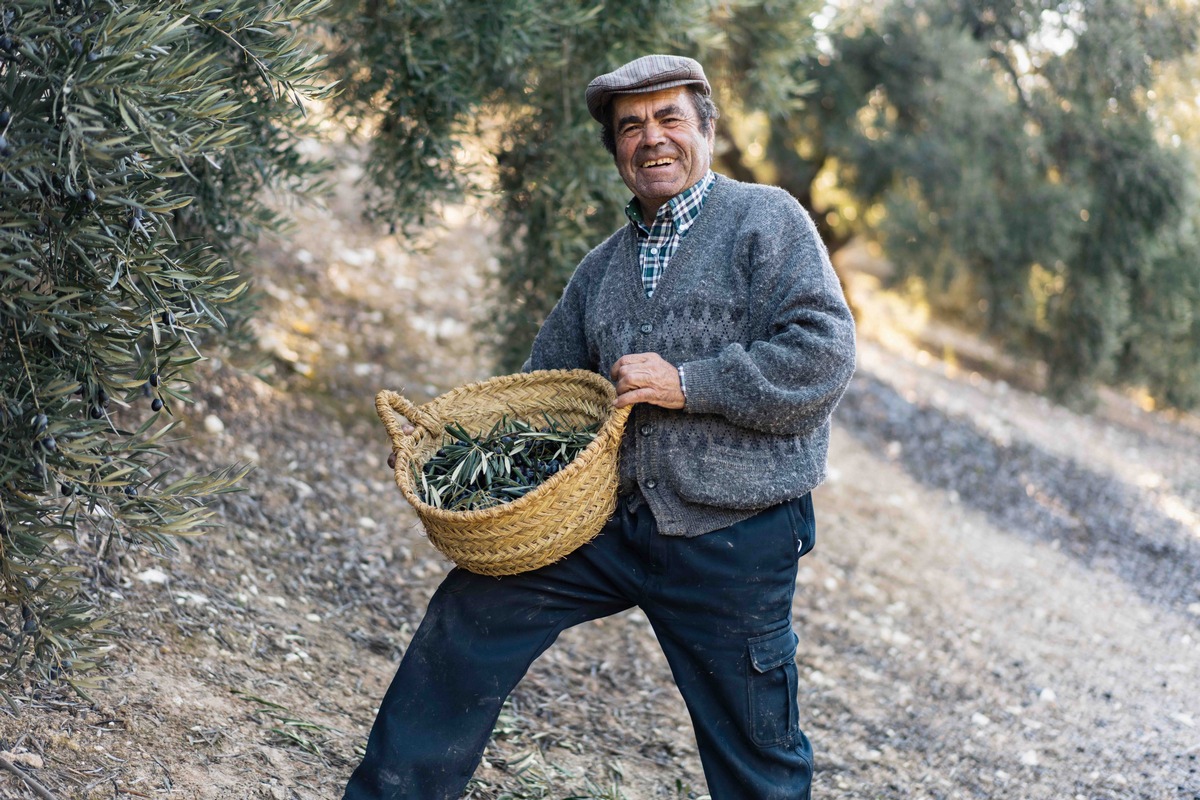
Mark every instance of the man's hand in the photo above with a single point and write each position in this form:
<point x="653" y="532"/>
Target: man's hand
<point x="646" y="378"/>
<point x="407" y="430"/>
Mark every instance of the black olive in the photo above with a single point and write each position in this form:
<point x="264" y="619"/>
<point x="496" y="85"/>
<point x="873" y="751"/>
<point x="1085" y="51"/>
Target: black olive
<point x="66" y="489"/>
<point x="102" y="396"/>
<point x="391" y="460"/>
<point x="30" y="626"/>
<point x="7" y="44"/>
<point x="77" y="47"/>
<point x="89" y="196"/>
<point x="157" y="404"/>
<point x="5" y="150"/>
<point x="5" y="116"/>
<point x="49" y="445"/>
<point x="130" y="491"/>
<point x="39" y="423"/>
<point x="96" y="412"/>
<point x="154" y="379"/>
<point x="168" y="318"/>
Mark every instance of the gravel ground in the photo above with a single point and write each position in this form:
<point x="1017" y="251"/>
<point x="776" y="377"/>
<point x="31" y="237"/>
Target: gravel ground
<point x="1003" y="601"/>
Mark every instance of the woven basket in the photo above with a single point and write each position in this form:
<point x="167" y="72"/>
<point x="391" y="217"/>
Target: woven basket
<point x="566" y="511"/>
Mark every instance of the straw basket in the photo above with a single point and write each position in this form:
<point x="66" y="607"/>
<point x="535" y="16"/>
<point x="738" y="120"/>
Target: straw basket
<point x="566" y="511"/>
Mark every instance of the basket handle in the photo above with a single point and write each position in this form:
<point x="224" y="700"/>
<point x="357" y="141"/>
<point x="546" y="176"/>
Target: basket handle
<point x="387" y="402"/>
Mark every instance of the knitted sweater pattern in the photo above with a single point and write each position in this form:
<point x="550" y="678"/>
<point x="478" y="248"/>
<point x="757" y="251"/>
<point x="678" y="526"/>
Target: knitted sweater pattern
<point x="751" y="309"/>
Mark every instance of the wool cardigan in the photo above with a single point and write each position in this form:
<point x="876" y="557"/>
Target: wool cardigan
<point x="751" y="309"/>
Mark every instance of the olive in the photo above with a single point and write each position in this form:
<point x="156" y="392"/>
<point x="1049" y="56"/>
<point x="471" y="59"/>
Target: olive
<point x="168" y="318"/>
<point x="5" y="150"/>
<point x="391" y="460"/>
<point x="92" y="56"/>
<point x="7" y="44"/>
<point x="66" y="489"/>
<point x="146" y="390"/>
<point x="131" y="491"/>
<point x="30" y="626"/>
<point x="154" y="379"/>
<point x="102" y="396"/>
<point x="96" y="412"/>
<point x="49" y="445"/>
<point x="157" y="404"/>
<point x="39" y="423"/>
<point x="77" y="47"/>
<point x="5" y="116"/>
<point x="89" y="196"/>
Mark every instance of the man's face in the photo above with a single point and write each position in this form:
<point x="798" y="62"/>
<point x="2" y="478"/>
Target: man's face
<point x="660" y="148"/>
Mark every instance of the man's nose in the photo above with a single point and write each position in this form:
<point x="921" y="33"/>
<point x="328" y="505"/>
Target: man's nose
<point x="652" y="134"/>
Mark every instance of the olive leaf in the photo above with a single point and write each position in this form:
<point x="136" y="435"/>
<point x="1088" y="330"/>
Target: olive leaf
<point x="471" y="472"/>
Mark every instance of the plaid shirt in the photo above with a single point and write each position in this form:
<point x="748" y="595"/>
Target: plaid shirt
<point x="659" y="242"/>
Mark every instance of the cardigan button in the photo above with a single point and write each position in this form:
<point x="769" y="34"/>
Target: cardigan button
<point x="647" y="327"/>
<point x="647" y="430"/>
<point x="650" y="484"/>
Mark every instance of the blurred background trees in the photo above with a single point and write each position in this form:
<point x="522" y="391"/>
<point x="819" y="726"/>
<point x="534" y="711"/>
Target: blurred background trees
<point x="136" y="142"/>
<point x="1012" y="158"/>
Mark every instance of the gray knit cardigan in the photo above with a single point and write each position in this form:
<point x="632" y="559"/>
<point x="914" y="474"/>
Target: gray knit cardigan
<point x="751" y="310"/>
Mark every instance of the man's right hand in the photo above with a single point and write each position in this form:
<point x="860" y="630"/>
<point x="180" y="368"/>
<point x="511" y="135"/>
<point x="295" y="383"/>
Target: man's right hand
<point x="407" y="430"/>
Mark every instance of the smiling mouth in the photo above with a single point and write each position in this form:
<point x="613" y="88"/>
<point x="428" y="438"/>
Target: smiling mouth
<point x="658" y="162"/>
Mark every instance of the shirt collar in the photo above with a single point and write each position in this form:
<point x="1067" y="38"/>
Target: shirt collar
<point x="682" y="209"/>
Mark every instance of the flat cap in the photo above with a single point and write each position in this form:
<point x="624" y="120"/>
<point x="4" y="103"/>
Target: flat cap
<point x="645" y="74"/>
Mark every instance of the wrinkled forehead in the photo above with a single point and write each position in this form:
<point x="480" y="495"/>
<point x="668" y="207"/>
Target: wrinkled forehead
<point x="637" y="106"/>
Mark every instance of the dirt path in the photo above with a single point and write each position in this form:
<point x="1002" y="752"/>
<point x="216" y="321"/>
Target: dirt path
<point x="1002" y="603"/>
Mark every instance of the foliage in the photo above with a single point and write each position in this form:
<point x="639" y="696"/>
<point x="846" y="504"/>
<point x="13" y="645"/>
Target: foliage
<point x="135" y="141"/>
<point x="433" y="81"/>
<point x="1009" y="157"/>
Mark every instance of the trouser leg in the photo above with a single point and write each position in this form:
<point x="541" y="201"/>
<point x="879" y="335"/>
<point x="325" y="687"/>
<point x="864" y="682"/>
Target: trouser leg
<point x="477" y="640"/>
<point x="722" y="613"/>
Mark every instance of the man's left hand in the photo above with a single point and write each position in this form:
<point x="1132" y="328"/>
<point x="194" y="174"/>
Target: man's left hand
<point x="646" y="378"/>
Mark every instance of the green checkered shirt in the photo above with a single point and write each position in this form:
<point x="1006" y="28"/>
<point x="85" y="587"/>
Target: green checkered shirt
<point x="657" y="243"/>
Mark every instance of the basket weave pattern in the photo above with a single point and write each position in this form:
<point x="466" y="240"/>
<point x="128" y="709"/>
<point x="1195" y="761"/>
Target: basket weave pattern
<point x="566" y="511"/>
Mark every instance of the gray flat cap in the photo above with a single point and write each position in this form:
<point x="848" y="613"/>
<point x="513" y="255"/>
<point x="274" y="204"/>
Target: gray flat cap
<point x="645" y="74"/>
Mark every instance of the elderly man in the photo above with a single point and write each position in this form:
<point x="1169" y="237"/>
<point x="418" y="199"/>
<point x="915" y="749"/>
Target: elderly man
<point x="716" y="312"/>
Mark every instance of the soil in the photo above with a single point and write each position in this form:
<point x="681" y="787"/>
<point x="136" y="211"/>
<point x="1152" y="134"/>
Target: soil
<point x="1003" y="603"/>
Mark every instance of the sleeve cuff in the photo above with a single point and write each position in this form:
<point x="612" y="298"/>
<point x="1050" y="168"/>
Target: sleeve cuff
<point x="700" y="386"/>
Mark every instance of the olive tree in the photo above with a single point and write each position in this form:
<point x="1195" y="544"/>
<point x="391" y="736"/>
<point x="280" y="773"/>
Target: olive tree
<point x="135" y="142"/>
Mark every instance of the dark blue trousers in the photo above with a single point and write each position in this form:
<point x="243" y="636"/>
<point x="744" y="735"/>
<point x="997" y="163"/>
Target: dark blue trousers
<point x="720" y="605"/>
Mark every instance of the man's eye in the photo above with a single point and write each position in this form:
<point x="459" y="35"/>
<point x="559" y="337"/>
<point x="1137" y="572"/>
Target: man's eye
<point x="628" y="129"/>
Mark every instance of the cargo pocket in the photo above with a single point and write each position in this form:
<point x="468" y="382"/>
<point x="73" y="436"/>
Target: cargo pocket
<point x="771" y="686"/>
